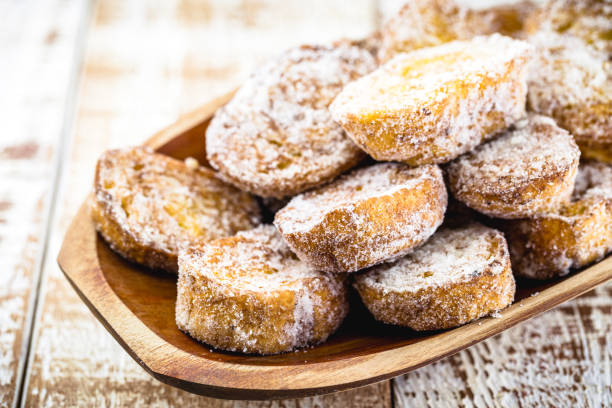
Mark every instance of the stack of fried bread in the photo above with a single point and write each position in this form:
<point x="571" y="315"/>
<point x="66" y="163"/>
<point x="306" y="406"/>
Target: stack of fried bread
<point x="503" y="115"/>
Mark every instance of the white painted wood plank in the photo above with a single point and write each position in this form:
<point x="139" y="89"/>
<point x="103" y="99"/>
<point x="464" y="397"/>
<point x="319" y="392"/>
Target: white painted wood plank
<point x="37" y="48"/>
<point x="561" y="359"/>
<point x="146" y="64"/>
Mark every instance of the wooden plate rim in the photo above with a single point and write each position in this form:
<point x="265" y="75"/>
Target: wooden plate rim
<point x="241" y="381"/>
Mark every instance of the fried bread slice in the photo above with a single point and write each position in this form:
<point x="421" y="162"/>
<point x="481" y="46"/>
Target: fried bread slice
<point x="572" y="83"/>
<point x="249" y="293"/>
<point x="459" y="275"/>
<point x="432" y="105"/>
<point x="148" y="206"/>
<point x="276" y="138"/>
<point x="368" y="216"/>
<point x="575" y="235"/>
<point x="427" y="23"/>
<point x="528" y="170"/>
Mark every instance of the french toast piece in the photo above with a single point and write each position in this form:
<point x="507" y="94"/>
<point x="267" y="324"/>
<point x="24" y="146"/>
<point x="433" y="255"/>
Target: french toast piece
<point x="368" y="216"/>
<point x="147" y="206"/>
<point x="575" y="235"/>
<point x="572" y="82"/>
<point x="427" y="23"/>
<point x="589" y="20"/>
<point x="249" y="293"/>
<point x="432" y="105"/>
<point x="276" y="138"/>
<point x="528" y="170"/>
<point x="458" y="276"/>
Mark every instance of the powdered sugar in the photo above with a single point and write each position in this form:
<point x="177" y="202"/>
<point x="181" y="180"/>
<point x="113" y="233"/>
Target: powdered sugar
<point x="591" y="21"/>
<point x="307" y="209"/>
<point x="572" y="83"/>
<point x="457" y="276"/>
<point x="593" y="180"/>
<point x="161" y="203"/>
<point x="368" y="216"/>
<point x="426" y="23"/>
<point x="433" y="104"/>
<point x="271" y="301"/>
<point x="565" y="71"/>
<point x="255" y="260"/>
<point x="276" y="136"/>
<point x="502" y="178"/>
<point x="575" y="235"/>
<point x="450" y="256"/>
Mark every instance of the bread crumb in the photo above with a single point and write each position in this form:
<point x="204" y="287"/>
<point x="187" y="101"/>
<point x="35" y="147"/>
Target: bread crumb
<point x="192" y="163"/>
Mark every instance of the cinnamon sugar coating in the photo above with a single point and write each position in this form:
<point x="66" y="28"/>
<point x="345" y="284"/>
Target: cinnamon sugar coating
<point x="458" y="276"/>
<point x="427" y="23"/>
<point x="528" y="170"/>
<point x="572" y="82"/>
<point x="249" y="293"/>
<point x="589" y="20"/>
<point x="148" y="206"/>
<point x="371" y="215"/>
<point x="575" y="235"/>
<point x="276" y="138"/>
<point x="434" y="104"/>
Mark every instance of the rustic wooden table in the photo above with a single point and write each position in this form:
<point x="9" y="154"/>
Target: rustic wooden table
<point x="78" y="77"/>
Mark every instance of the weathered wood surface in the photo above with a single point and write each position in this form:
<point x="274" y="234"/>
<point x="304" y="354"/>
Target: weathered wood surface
<point x="38" y="42"/>
<point x="143" y="320"/>
<point x="560" y="359"/>
<point x="146" y="64"/>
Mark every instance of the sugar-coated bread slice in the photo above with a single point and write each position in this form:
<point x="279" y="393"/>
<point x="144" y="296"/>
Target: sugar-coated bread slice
<point x="572" y="82"/>
<point x="368" y="216"/>
<point x="427" y="23"/>
<point x="458" y="276"/>
<point x="589" y="20"/>
<point x="249" y="293"/>
<point x="148" y="206"/>
<point x="528" y="170"/>
<point x="276" y="138"/>
<point x="434" y="104"/>
<point x="577" y="234"/>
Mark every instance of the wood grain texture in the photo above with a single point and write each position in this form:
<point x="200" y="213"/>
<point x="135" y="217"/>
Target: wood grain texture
<point x="147" y="63"/>
<point x="37" y="48"/>
<point x="560" y="359"/>
<point x="361" y="352"/>
<point x="129" y="93"/>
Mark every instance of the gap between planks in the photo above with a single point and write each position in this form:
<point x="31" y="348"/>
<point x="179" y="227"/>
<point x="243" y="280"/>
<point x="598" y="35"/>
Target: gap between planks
<point x="59" y="181"/>
<point x="51" y="212"/>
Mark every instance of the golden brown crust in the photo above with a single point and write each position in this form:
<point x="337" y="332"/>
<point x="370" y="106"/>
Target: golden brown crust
<point x="371" y="43"/>
<point x="249" y="293"/>
<point x="276" y="138"/>
<point x="528" y="170"/>
<point x="148" y="206"/>
<point x="432" y="105"/>
<point x="577" y="234"/>
<point x="572" y="82"/>
<point x="596" y="151"/>
<point x="458" y="276"/>
<point x="427" y="23"/>
<point x="589" y="20"/>
<point x="572" y="78"/>
<point x="366" y="217"/>
<point x="590" y="124"/>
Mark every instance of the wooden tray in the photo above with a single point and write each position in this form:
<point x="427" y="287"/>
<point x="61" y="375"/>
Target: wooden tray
<point x="137" y="307"/>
